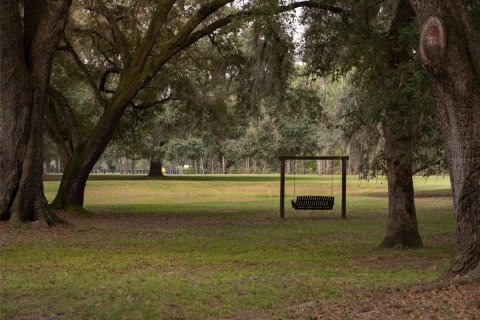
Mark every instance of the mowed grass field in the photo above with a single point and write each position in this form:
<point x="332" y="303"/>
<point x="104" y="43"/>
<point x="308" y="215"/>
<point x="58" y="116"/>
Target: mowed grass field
<point x="213" y="247"/>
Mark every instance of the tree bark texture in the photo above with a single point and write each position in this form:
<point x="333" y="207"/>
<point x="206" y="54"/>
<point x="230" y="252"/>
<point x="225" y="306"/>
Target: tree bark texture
<point x="25" y="65"/>
<point x="402" y="229"/>
<point x="450" y="49"/>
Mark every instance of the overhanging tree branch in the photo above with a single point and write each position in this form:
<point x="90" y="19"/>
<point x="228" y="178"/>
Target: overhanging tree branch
<point x="187" y="36"/>
<point x="220" y="23"/>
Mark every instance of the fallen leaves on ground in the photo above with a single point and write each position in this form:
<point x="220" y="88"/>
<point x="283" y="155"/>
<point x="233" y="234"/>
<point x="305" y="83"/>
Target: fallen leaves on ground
<point x="448" y="299"/>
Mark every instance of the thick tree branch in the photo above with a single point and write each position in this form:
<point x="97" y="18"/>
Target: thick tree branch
<point x="220" y="23"/>
<point x="201" y="15"/>
<point x="157" y="22"/>
<point x="33" y="13"/>
<point x="403" y="13"/>
<point x="51" y="26"/>
<point x="187" y="35"/>
<point x="311" y="4"/>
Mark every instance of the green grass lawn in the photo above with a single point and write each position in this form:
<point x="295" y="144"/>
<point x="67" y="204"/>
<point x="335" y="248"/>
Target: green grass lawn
<point x="201" y="247"/>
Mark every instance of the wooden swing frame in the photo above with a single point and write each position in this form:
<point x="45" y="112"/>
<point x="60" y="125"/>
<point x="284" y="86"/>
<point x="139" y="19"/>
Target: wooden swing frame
<point x="343" y="159"/>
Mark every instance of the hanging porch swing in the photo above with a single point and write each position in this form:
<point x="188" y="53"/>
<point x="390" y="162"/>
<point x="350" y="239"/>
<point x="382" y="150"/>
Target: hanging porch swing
<point x="312" y="202"/>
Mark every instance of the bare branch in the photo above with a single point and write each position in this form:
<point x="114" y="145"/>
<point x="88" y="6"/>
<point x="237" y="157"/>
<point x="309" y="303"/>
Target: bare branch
<point x="202" y="14"/>
<point x="119" y="38"/>
<point x="83" y="68"/>
<point x="64" y="127"/>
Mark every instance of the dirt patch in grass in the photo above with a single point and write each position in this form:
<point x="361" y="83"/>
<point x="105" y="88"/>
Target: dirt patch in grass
<point x="32" y="231"/>
<point x="389" y="263"/>
<point x="452" y="299"/>
<point x="107" y="221"/>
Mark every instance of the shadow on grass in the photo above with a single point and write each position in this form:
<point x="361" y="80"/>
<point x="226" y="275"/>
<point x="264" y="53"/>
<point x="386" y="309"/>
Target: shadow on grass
<point x="419" y="194"/>
<point x="209" y="211"/>
<point x="224" y="178"/>
<point x="211" y="218"/>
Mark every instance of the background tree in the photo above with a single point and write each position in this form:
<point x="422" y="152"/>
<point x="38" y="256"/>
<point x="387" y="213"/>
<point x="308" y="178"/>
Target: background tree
<point x="391" y="94"/>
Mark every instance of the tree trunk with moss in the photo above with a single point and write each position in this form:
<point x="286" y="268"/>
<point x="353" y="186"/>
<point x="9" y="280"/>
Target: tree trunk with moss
<point x="450" y="49"/>
<point x="25" y="65"/>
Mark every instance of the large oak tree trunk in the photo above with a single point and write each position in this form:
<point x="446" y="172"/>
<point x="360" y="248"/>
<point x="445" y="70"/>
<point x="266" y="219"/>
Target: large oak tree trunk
<point x="450" y="49"/>
<point x="71" y="193"/>
<point x="16" y="95"/>
<point x="402" y="230"/>
<point x="25" y="65"/>
<point x="155" y="168"/>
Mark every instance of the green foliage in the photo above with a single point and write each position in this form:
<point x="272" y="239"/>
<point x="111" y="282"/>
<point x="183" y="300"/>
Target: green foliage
<point x="180" y="150"/>
<point x="240" y="92"/>
<point x="390" y="86"/>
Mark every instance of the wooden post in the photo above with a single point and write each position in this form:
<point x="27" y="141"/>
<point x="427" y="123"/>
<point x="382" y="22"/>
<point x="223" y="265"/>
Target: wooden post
<point x="282" y="189"/>
<point x="344" y="188"/>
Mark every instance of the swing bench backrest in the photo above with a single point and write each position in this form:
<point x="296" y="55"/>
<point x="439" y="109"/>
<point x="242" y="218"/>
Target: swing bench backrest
<point x="313" y="202"/>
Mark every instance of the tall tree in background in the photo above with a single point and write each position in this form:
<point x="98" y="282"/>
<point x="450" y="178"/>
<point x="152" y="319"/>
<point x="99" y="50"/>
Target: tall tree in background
<point x="401" y="129"/>
<point x="25" y="67"/>
<point x="450" y="50"/>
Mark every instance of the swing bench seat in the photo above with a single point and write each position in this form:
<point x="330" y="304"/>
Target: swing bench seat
<point x="313" y="202"/>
